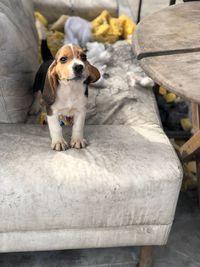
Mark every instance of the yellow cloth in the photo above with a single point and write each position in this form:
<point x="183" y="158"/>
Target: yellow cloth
<point x="108" y="29"/>
<point x="59" y="24"/>
<point x="170" y="97"/>
<point x="55" y="41"/>
<point x="186" y="124"/>
<point x="190" y="176"/>
<point x="43" y="118"/>
<point x="162" y="91"/>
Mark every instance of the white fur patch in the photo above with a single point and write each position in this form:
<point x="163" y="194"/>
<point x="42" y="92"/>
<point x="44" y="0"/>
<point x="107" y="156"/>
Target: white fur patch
<point x="71" y="46"/>
<point x="70" y="101"/>
<point x="70" y="98"/>
<point x="58" y="142"/>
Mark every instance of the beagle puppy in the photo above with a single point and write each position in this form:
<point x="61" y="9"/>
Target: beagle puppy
<point x="65" y="93"/>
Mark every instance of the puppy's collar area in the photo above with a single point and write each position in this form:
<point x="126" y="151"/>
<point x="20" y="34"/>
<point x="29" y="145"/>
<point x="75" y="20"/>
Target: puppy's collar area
<point x="75" y="79"/>
<point x="86" y="81"/>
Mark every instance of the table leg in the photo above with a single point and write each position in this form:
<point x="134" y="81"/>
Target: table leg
<point x="195" y="117"/>
<point x="196" y="128"/>
<point x="139" y="11"/>
<point x="191" y="149"/>
<point x="198" y="176"/>
<point x="146" y="256"/>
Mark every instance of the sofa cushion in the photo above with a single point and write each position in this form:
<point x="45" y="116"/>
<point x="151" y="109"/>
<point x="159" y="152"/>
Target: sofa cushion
<point x="18" y="53"/>
<point x="126" y="176"/>
<point x="121" y="102"/>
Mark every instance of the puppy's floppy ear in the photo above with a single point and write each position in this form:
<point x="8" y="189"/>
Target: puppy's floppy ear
<point x="53" y="77"/>
<point x="49" y="93"/>
<point x="94" y="73"/>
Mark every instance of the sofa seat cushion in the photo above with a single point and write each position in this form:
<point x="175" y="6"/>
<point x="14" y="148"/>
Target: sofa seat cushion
<point x="126" y="176"/>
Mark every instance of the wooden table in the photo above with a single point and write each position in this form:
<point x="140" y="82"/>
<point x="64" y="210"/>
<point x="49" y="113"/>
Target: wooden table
<point x="167" y="45"/>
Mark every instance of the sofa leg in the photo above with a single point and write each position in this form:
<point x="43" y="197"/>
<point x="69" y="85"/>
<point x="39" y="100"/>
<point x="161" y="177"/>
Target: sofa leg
<point x="146" y="256"/>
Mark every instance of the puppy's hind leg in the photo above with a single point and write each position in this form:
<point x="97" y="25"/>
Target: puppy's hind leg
<point x="36" y="105"/>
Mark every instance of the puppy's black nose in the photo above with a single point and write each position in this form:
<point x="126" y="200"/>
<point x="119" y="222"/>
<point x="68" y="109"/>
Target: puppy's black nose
<point x="78" y="69"/>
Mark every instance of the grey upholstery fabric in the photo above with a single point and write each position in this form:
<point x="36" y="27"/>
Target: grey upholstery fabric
<point x="127" y="176"/>
<point x="18" y="53"/>
<point x="117" y="173"/>
<point x="52" y="9"/>
<point x="84" y="238"/>
<point x="121" y="102"/>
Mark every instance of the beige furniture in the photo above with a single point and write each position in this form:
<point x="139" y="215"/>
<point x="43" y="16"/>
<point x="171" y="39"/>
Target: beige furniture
<point x="120" y="191"/>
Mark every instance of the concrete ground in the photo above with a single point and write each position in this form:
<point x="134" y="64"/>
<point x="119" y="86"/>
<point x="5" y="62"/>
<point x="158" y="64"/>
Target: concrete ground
<point x="182" y="250"/>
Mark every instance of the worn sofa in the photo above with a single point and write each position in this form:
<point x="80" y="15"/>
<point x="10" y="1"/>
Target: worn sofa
<point x="121" y="190"/>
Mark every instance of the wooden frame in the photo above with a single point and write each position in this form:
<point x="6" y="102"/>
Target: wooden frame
<point x="191" y="149"/>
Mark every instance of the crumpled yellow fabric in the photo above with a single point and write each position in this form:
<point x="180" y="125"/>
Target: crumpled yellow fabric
<point x="186" y="124"/>
<point x="59" y="24"/>
<point x="108" y="29"/>
<point x="190" y="176"/>
<point x="170" y="97"/>
<point x="55" y="41"/>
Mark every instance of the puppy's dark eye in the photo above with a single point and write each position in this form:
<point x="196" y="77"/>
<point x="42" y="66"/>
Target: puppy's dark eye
<point x="83" y="57"/>
<point x="63" y="59"/>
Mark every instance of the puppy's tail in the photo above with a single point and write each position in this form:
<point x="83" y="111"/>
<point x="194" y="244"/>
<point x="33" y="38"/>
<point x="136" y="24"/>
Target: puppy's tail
<point x="40" y="76"/>
<point x="41" y="29"/>
<point x="42" y="34"/>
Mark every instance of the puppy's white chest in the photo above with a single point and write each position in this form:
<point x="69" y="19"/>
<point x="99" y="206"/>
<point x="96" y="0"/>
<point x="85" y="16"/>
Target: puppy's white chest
<point x="70" y="98"/>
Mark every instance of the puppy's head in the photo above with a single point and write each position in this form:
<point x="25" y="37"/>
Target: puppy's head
<point x="71" y="64"/>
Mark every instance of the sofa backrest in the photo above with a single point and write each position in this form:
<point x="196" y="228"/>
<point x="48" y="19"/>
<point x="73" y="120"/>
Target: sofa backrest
<point x="19" y="47"/>
<point x="89" y="9"/>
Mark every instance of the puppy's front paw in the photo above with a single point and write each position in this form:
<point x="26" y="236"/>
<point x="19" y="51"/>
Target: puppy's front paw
<point x="78" y="143"/>
<point x="59" y="145"/>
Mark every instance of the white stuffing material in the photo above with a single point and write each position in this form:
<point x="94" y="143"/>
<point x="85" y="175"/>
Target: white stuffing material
<point x="99" y="57"/>
<point x="145" y="81"/>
